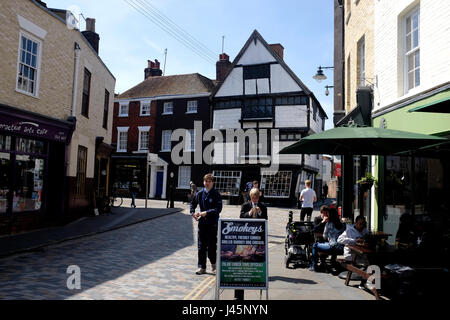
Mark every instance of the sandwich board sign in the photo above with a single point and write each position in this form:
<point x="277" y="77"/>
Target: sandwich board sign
<point x="242" y="255"/>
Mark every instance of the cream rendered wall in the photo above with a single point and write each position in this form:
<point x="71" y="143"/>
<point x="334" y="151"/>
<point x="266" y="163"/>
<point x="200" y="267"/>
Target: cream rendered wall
<point x="233" y="84"/>
<point x="229" y="118"/>
<point x="291" y="116"/>
<point x="281" y="81"/>
<point x="434" y="35"/>
<point x="56" y="77"/>
<point x="359" y="22"/>
<point x="256" y="53"/>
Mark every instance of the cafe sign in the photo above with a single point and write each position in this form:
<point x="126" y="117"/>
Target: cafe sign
<point x="242" y="254"/>
<point x="46" y="129"/>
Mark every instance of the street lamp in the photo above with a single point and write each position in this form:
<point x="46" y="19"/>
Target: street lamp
<point x="319" y="76"/>
<point x="327" y="92"/>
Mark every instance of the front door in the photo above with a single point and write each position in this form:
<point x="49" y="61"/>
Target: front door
<point x="159" y="183"/>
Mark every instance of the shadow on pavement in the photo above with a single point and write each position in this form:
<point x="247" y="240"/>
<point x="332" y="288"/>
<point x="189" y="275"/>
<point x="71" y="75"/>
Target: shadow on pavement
<point x="101" y="258"/>
<point x="291" y="280"/>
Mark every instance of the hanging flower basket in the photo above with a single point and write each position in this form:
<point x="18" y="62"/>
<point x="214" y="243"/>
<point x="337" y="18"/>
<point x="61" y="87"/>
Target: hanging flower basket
<point x="366" y="182"/>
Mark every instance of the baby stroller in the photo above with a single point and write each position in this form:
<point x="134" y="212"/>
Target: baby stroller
<point x="298" y="242"/>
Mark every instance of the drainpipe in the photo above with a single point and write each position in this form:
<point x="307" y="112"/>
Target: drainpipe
<point x="75" y="79"/>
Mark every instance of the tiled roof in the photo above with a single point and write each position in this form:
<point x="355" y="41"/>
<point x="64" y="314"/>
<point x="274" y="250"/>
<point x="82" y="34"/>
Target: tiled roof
<point x="193" y="83"/>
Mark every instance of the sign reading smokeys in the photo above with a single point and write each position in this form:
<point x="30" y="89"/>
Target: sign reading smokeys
<point x="242" y="254"/>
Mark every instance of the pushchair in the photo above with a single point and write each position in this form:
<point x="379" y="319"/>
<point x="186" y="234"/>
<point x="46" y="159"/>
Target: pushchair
<point x="298" y="242"/>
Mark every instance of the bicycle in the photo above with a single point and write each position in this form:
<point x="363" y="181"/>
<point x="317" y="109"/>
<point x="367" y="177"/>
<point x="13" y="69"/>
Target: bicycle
<point x="115" y="200"/>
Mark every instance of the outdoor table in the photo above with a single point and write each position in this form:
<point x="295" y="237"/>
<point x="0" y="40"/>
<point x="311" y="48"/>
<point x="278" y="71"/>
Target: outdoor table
<point x="373" y="256"/>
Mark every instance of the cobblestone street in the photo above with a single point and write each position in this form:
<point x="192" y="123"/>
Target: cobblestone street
<point x="150" y="260"/>
<point x="155" y="259"/>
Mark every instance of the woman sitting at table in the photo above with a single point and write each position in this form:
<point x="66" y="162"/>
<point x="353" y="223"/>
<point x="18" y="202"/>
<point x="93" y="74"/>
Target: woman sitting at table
<point x="333" y="229"/>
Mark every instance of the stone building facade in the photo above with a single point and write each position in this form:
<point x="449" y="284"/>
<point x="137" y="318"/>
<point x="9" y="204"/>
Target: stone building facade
<point x="51" y="75"/>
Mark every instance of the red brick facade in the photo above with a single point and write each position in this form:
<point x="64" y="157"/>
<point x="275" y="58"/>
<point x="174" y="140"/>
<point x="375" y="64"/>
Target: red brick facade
<point x="133" y="121"/>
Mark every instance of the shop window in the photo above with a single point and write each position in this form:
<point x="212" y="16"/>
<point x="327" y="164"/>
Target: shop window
<point x="29" y="176"/>
<point x="227" y="183"/>
<point x="28" y="65"/>
<point x="86" y="93"/>
<point x="81" y="170"/>
<point x="5" y="142"/>
<point x="5" y="168"/>
<point x="184" y="177"/>
<point x="276" y="185"/>
<point x="30" y="146"/>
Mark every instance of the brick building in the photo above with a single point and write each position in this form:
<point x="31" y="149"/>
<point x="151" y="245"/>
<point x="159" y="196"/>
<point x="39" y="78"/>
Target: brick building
<point x="55" y="117"/>
<point x="145" y="117"/>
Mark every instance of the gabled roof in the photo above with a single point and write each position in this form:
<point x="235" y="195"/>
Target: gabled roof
<point x="185" y="84"/>
<point x="253" y="37"/>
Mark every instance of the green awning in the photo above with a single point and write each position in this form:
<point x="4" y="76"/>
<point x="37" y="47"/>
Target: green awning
<point x="439" y="103"/>
<point x="362" y="140"/>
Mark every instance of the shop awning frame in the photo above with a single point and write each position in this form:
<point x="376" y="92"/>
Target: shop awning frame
<point x="438" y="103"/>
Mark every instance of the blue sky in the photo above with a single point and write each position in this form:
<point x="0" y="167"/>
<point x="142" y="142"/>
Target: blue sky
<point x="128" y="39"/>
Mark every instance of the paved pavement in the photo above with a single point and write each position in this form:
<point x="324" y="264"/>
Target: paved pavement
<point x="155" y="259"/>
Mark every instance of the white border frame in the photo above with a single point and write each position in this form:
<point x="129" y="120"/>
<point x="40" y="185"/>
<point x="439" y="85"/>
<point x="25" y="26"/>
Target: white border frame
<point x="38" y="64"/>
<point x="218" y="287"/>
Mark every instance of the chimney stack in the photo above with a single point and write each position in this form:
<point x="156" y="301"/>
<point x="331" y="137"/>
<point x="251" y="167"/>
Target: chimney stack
<point x="278" y="48"/>
<point x="222" y="66"/>
<point x="153" y="69"/>
<point x="90" y="34"/>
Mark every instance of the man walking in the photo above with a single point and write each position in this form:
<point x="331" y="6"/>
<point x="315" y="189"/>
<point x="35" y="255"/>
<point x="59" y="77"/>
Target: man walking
<point x="308" y="196"/>
<point x="210" y="203"/>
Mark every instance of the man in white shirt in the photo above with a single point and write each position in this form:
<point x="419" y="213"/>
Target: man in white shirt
<point x="352" y="235"/>
<point x="308" y="197"/>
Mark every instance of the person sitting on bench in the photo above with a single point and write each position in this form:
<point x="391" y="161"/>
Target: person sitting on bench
<point x="333" y="229"/>
<point x="352" y="235"/>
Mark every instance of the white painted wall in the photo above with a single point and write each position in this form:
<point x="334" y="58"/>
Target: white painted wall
<point x="290" y="116"/>
<point x="233" y="84"/>
<point x="229" y="118"/>
<point x="281" y="81"/>
<point x="256" y="53"/>
<point x="434" y="35"/>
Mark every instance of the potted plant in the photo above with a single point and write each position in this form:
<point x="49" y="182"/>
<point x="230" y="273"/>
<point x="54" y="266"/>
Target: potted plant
<point x="367" y="181"/>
